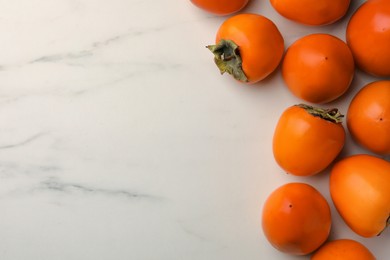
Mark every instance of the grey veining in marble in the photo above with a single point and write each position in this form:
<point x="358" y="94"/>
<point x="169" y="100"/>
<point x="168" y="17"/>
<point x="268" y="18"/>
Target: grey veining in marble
<point x="120" y="140"/>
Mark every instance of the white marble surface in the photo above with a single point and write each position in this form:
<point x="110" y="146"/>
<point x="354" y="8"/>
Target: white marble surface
<point x="120" y="140"/>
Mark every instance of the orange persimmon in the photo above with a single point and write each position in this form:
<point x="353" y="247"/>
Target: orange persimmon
<point x="360" y="190"/>
<point x="368" y="36"/>
<point x="312" y="12"/>
<point x="307" y="139"/>
<point x="296" y="219"/>
<point x="343" y="249"/>
<point x="220" y="7"/>
<point x="368" y="117"/>
<point x="248" y="46"/>
<point x="318" y="68"/>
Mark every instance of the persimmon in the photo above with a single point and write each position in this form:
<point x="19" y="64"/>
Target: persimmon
<point x="360" y="189"/>
<point x="343" y="249"/>
<point x="312" y="12"/>
<point x="368" y="117"/>
<point x="318" y="68"/>
<point x="307" y="139"/>
<point x="248" y="46"/>
<point x="220" y="7"/>
<point x="368" y="36"/>
<point x="296" y="219"/>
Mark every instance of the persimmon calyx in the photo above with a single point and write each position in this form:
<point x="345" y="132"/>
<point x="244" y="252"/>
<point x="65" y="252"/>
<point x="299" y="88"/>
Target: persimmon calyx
<point x="332" y="115"/>
<point x="227" y="58"/>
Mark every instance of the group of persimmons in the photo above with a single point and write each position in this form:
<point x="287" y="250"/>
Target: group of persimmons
<point x="319" y="68"/>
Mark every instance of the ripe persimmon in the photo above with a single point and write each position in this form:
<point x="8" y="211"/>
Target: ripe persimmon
<point x="360" y="190"/>
<point x="312" y="12"/>
<point x="220" y="7"/>
<point x="318" y="68"/>
<point x="368" y="36"/>
<point x="307" y="139"/>
<point x="343" y="249"/>
<point x="368" y="117"/>
<point x="248" y="46"/>
<point x="296" y="219"/>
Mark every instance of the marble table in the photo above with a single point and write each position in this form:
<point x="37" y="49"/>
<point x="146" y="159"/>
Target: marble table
<point x="119" y="139"/>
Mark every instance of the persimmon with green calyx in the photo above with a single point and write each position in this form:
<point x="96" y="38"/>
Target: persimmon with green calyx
<point x="248" y="46"/>
<point x="307" y="139"/>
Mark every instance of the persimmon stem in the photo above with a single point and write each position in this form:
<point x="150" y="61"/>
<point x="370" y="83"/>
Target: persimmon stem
<point x="332" y="114"/>
<point x="227" y="58"/>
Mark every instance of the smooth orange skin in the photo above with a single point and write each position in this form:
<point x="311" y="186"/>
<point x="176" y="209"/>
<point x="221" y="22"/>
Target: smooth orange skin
<point x="221" y="7"/>
<point x="296" y="219"/>
<point x="360" y="190"/>
<point x="368" y="117"/>
<point x="368" y="36"/>
<point x="261" y="45"/>
<point x="343" y="249"/>
<point x="318" y="68"/>
<point x="303" y="144"/>
<point x="312" y="12"/>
